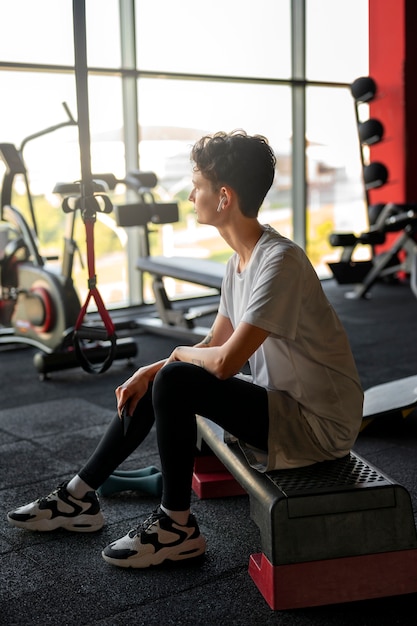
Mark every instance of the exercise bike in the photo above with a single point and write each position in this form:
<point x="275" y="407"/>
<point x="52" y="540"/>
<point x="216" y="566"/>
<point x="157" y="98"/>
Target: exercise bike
<point x="39" y="306"/>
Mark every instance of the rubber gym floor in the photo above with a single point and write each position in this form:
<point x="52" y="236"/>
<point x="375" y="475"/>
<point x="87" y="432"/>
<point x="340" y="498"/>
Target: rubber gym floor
<point x="48" y="428"/>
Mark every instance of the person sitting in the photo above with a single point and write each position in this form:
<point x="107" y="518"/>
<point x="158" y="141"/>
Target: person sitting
<point x="301" y="404"/>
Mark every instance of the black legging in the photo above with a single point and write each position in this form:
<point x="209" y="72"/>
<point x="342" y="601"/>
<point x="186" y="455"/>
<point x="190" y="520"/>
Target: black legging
<point x="178" y="393"/>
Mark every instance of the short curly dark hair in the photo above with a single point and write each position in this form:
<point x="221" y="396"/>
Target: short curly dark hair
<point x="245" y="163"/>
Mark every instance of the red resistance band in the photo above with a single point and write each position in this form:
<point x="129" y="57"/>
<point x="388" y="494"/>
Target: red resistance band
<point x="86" y="332"/>
<point x="92" y="281"/>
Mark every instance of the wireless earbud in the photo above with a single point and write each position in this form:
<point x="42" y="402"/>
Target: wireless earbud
<point x="221" y="203"/>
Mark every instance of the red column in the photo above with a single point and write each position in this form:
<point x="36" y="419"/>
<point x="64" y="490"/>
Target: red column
<point x="410" y="90"/>
<point x="386" y="67"/>
<point x="393" y="66"/>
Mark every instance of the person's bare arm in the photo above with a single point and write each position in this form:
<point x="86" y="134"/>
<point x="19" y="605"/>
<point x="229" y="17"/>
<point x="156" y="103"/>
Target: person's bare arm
<point x="134" y="388"/>
<point x="226" y="351"/>
<point x="223" y="353"/>
<point x="219" y="333"/>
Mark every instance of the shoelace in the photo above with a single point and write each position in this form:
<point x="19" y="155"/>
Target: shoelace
<point x="150" y="521"/>
<point x="51" y="495"/>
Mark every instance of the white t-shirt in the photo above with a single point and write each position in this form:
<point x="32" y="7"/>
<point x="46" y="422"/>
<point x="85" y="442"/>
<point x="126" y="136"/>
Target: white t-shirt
<point x="306" y="364"/>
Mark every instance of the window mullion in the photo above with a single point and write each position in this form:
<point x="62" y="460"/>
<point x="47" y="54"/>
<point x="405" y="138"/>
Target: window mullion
<point x="299" y="174"/>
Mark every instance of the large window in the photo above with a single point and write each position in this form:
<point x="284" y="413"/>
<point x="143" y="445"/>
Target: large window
<point x="233" y="38"/>
<point x="336" y="200"/>
<point x="163" y="73"/>
<point x="335" y="194"/>
<point x="336" y="40"/>
<point x="201" y="108"/>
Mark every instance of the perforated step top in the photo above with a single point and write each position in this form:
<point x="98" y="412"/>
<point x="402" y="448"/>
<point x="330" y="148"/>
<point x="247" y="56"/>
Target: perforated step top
<point x="349" y="471"/>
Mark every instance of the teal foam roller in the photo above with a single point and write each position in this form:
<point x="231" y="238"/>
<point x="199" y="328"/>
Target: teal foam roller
<point x="147" y="480"/>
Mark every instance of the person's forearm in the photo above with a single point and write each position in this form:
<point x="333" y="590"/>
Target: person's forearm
<point x="151" y="370"/>
<point x="209" y="358"/>
<point x="206" y="342"/>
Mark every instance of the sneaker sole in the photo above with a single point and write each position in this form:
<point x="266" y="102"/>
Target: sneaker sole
<point x="83" y="525"/>
<point x="191" y="550"/>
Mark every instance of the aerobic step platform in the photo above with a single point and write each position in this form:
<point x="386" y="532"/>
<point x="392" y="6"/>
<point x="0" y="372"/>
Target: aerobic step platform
<point x="333" y="532"/>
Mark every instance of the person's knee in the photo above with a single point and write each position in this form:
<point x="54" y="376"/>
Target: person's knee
<point x="172" y="377"/>
<point x="174" y="391"/>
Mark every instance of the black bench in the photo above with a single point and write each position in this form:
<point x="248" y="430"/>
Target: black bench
<point x="332" y="532"/>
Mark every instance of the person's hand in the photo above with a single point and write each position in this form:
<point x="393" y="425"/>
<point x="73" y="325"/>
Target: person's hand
<point x="134" y="388"/>
<point x="173" y="356"/>
<point x="131" y="391"/>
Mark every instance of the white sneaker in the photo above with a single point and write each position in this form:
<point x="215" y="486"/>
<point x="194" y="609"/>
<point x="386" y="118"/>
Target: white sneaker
<point x="157" y="539"/>
<point x="60" y="510"/>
